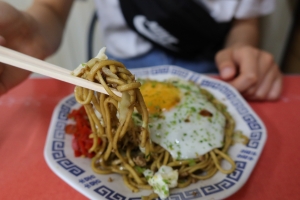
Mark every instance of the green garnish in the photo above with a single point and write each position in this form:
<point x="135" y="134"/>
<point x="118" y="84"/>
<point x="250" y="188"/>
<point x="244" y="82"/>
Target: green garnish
<point x="192" y="163"/>
<point x="139" y="169"/>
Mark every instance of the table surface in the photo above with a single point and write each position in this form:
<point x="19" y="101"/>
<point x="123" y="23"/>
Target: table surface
<point x="25" y="117"/>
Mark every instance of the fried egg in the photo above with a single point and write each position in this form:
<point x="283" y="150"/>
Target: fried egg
<point x="181" y="119"/>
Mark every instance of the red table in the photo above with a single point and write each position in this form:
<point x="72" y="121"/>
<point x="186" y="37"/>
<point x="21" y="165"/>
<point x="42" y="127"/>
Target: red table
<point x="26" y="113"/>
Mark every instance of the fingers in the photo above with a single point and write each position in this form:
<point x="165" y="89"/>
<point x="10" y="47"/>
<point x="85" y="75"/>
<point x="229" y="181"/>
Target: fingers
<point x="257" y="77"/>
<point x="246" y="59"/>
<point x="238" y="67"/>
<point x="276" y="89"/>
<point x="226" y="65"/>
<point x="265" y="65"/>
<point x="10" y="77"/>
<point x="267" y="86"/>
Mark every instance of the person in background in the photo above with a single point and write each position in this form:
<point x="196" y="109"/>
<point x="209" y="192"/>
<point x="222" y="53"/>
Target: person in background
<point x="38" y="32"/>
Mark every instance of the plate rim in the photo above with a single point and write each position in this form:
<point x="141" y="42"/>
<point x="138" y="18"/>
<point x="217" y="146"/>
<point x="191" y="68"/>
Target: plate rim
<point x="205" y="76"/>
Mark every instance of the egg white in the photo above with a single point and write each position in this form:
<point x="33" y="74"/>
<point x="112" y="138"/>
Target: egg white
<point x="182" y="130"/>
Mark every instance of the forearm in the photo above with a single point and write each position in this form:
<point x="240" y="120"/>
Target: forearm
<point x="243" y="33"/>
<point x="37" y="32"/>
<point x="51" y="17"/>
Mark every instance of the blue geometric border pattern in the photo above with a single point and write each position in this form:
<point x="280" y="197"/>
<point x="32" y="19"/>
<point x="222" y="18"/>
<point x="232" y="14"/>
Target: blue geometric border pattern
<point x="180" y="72"/>
<point x="252" y="122"/>
<point x="194" y="77"/>
<point x="187" y="195"/>
<point x="239" y="105"/>
<point x="236" y="102"/>
<point x="71" y="101"/>
<point x="58" y="142"/>
<point x="226" y="183"/>
<point x="58" y="145"/>
<point x="161" y="70"/>
<point x="236" y="175"/>
<point x="68" y="165"/>
<point x="64" y="111"/>
<point x="57" y="150"/>
<point x="240" y="164"/>
<point x="59" y="132"/>
<point x="254" y="139"/>
<point x="218" y="187"/>
<point x="108" y="193"/>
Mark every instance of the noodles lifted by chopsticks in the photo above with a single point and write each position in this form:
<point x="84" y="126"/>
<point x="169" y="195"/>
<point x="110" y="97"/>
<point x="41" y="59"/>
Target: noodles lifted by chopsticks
<point x="126" y="147"/>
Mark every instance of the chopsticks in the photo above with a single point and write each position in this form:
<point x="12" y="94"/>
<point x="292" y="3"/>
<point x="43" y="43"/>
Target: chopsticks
<point x="32" y="64"/>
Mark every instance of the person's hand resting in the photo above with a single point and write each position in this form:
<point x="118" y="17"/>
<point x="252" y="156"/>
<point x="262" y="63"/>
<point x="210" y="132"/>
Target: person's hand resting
<point x="251" y="71"/>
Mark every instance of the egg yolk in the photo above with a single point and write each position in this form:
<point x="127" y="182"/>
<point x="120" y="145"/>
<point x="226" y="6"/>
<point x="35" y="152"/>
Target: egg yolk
<point x="159" y="96"/>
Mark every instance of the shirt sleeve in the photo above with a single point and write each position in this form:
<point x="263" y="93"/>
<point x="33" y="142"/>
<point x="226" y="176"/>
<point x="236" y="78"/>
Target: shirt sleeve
<point x="226" y="10"/>
<point x="254" y="8"/>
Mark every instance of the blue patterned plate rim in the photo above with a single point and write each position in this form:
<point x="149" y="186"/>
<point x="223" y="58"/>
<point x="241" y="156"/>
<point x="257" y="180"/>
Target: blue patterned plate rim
<point x="77" y="172"/>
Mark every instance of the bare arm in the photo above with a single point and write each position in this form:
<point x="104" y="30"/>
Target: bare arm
<point x="37" y="32"/>
<point x="40" y="28"/>
<point x="244" y="32"/>
<point x="51" y="16"/>
<point x="249" y="69"/>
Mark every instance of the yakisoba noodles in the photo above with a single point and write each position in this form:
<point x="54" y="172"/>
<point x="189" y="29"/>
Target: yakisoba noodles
<point x="126" y="147"/>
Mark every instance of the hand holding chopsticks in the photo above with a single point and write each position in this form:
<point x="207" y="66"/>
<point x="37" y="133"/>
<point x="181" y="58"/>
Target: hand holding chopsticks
<point x="29" y="63"/>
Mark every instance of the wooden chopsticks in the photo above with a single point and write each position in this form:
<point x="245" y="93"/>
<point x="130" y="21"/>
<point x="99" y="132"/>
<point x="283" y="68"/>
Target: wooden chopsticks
<point x="32" y="64"/>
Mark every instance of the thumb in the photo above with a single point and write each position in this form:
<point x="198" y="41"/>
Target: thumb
<point x="226" y="64"/>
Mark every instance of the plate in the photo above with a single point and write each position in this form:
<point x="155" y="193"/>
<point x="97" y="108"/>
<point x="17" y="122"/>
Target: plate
<point x="78" y="173"/>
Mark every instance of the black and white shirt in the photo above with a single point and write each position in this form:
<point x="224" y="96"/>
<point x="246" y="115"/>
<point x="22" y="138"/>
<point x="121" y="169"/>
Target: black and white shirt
<point x="123" y="42"/>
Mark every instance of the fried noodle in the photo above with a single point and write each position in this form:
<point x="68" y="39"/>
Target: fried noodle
<point x="110" y="117"/>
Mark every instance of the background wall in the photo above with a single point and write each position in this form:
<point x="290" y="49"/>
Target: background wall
<point x="276" y="29"/>
<point x="73" y="50"/>
<point x="291" y="61"/>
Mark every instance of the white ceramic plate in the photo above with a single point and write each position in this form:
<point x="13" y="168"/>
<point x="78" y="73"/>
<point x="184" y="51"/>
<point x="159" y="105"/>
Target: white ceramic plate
<point x="78" y="173"/>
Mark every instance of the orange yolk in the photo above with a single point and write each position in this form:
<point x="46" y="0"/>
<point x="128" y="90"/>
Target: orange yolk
<point x="159" y="96"/>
